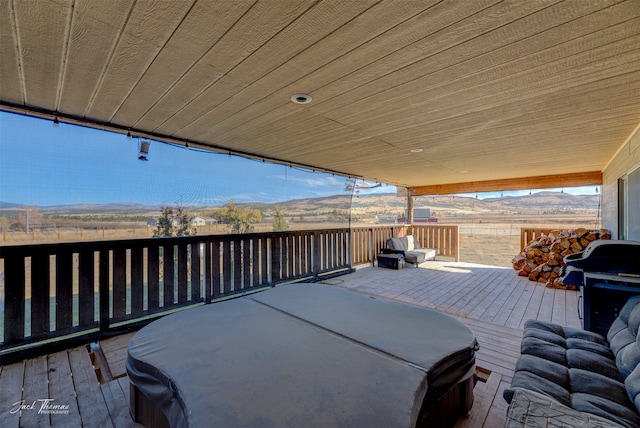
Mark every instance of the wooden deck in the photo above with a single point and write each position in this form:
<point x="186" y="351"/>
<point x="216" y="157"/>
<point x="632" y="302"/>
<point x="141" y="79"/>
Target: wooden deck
<point x="494" y="302"/>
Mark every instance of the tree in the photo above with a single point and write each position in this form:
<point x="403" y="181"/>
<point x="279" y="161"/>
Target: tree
<point x="165" y="222"/>
<point x="239" y="220"/>
<point x="183" y="224"/>
<point x="174" y="223"/>
<point x="279" y="223"/>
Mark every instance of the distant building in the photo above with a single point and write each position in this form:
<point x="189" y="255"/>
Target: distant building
<point x="203" y="221"/>
<point x="420" y="215"/>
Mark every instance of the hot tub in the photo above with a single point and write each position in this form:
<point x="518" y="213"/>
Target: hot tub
<point x="302" y="355"/>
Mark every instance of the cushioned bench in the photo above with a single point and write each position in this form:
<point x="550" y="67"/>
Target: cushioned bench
<point x="582" y="370"/>
<point x="409" y="247"/>
<point x="303" y="355"/>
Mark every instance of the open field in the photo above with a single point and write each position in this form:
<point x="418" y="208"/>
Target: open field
<point x="492" y="240"/>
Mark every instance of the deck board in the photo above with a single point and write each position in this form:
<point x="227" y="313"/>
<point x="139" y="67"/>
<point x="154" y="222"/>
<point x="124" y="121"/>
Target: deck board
<point x="34" y="389"/>
<point x="11" y="380"/>
<point x="493" y="301"/>
<point x="61" y="389"/>
<point x="115" y="352"/>
<point x="91" y="403"/>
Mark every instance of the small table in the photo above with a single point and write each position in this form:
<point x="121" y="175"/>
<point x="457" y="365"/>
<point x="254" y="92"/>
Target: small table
<point x="391" y="261"/>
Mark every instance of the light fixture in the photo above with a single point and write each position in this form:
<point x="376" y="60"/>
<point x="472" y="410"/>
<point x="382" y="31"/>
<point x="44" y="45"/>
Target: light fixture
<point x="143" y="150"/>
<point x="301" y="98"/>
<point x="56" y="122"/>
<point x="416" y="150"/>
<point x="128" y="135"/>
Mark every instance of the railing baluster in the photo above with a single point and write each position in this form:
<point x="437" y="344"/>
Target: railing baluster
<point x="105" y="298"/>
<point x="40" y="294"/>
<point x="246" y="263"/>
<point x="168" y="266"/>
<point x="226" y="267"/>
<point x="216" y="284"/>
<point x="182" y="272"/>
<point x="264" y="259"/>
<point x="153" y="276"/>
<point x="276" y="256"/>
<point x="237" y="265"/>
<point x="64" y="290"/>
<point x="137" y="280"/>
<point x="255" y="262"/>
<point x="14" y="311"/>
<point x="119" y="297"/>
<point x="86" y="289"/>
<point x="196" y="277"/>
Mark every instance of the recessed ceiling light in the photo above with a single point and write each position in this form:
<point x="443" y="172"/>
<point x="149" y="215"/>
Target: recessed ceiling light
<point x="464" y="171"/>
<point x="416" y="150"/>
<point x="301" y="98"/>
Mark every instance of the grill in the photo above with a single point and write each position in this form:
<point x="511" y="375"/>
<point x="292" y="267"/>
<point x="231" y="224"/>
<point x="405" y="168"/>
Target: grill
<point x="608" y="273"/>
<point x="607" y="256"/>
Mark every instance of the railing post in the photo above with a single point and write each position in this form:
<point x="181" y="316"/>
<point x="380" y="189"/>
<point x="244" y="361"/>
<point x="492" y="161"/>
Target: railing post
<point x="104" y="289"/>
<point x="208" y="269"/>
<point x="276" y="262"/>
<point x="14" y="314"/>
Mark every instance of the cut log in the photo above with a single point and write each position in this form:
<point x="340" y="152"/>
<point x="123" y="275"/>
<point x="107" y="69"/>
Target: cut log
<point x="542" y="259"/>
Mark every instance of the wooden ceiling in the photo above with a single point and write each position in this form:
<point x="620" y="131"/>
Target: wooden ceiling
<point x="415" y="93"/>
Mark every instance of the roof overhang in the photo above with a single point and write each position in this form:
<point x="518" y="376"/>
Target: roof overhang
<point x="429" y="95"/>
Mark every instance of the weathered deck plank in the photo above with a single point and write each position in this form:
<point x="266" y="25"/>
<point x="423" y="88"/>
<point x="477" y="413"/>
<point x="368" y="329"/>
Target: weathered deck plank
<point x="11" y="380"/>
<point x="91" y="403"/>
<point x="62" y="390"/>
<point x="117" y="401"/>
<point x="35" y="389"/>
<point x="115" y="352"/>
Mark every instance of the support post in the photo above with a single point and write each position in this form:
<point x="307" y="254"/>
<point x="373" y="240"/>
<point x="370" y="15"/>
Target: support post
<point x="409" y="214"/>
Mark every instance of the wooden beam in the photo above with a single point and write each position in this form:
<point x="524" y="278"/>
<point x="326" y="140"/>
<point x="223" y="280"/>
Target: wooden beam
<point x="539" y="182"/>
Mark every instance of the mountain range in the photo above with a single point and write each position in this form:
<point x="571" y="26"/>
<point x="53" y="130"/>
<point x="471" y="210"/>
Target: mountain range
<point x="534" y="203"/>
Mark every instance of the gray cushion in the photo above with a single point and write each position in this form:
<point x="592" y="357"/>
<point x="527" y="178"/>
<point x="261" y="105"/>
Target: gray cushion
<point x="584" y="370"/>
<point x="632" y="384"/>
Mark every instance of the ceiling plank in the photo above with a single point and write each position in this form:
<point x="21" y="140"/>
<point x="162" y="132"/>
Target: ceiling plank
<point x="41" y="66"/>
<point x="526" y="183"/>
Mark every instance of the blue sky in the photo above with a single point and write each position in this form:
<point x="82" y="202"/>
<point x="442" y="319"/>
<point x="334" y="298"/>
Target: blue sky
<point x="44" y="165"/>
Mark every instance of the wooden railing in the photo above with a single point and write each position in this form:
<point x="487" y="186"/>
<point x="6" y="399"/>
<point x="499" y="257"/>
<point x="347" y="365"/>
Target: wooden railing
<point x="366" y="242"/>
<point x="527" y="234"/>
<point x="88" y="290"/>
<point x="55" y="290"/>
<point x="442" y="237"/>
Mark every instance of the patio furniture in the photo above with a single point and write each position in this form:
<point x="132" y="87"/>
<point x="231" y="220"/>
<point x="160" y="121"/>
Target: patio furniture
<point x="303" y="355"/>
<point x="390" y="261"/>
<point x="579" y="371"/>
<point x="409" y="248"/>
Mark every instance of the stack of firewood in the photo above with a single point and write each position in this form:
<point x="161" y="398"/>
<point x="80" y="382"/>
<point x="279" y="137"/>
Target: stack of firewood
<point x="542" y="259"/>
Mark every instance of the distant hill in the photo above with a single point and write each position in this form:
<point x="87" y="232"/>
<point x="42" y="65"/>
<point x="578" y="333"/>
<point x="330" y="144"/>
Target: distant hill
<point x="8" y="205"/>
<point x="539" y="203"/>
